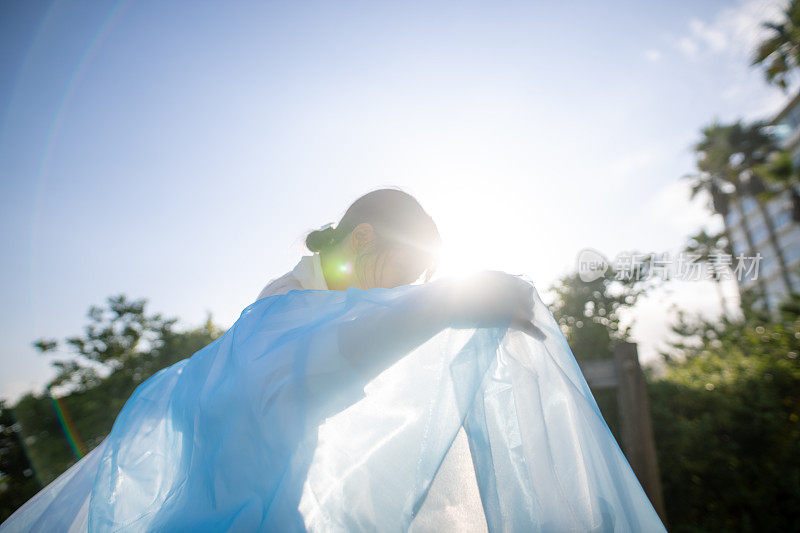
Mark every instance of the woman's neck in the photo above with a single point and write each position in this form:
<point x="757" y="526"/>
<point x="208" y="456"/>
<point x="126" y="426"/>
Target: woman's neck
<point x="337" y="269"/>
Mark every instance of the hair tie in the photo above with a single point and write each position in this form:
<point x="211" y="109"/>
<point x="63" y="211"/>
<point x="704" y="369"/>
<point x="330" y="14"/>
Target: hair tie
<point x="329" y="228"/>
<point x="322" y="238"/>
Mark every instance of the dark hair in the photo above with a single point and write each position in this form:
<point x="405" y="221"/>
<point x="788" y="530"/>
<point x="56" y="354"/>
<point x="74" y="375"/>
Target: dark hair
<point x="396" y="217"/>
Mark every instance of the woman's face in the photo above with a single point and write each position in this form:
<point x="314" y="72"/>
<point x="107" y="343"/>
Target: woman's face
<point x="376" y="265"/>
<point x="394" y="267"/>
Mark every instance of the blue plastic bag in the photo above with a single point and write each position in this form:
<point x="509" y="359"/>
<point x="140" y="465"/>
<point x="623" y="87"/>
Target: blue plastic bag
<point x="275" y="427"/>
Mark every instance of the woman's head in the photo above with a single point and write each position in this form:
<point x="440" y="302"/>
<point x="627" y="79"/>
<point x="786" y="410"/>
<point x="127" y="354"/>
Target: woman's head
<point x="384" y="239"/>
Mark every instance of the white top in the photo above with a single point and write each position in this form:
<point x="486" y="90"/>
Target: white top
<point x="307" y="275"/>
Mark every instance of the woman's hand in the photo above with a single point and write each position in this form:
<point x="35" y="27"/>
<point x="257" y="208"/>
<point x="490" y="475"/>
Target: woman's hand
<point x="492" y="299"/>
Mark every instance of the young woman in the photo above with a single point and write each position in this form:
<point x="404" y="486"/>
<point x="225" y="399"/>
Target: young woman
<point x="348" y="398"/>
<point x="385" y="240"/>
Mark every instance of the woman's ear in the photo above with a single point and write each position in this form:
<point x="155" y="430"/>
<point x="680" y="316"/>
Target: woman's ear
<point x="362" y="237"/>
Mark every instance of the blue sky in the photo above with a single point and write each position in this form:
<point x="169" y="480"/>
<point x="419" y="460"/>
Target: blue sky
<point x="181" y="151"/>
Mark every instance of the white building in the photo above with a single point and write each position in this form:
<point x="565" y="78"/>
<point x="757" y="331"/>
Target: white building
<point x="787" y="128"/>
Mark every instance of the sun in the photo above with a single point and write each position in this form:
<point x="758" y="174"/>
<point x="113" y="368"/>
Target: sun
<point x="456" y="262"/>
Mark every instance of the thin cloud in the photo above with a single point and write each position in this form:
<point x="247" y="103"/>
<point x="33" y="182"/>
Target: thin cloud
<point x="688" y="47"/>
<point x="671" y="206"/>
<point x="711" y="36"/>
<point x="734" y="30"/>
<point x="634" y="163"/>
<point x="652" y="55"/>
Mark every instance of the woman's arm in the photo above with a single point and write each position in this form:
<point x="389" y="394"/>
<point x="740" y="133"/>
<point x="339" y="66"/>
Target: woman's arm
<point x="490" y="299"/>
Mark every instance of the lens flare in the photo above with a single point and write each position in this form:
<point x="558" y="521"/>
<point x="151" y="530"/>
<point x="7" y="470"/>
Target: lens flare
<point x="456" y="263"/>
<point x="68" y="426"/>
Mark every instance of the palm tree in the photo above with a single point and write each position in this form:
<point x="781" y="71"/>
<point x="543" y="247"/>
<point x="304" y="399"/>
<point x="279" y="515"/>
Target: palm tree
<point x="725" y="156"/>
<point x="708" y="246"/>
<point x="714" y="154"/>
<point x="753" y="148"/>
<point x="706" y="181"/>
<point x="779" y="53"/>
<point x="781" y="171"/>
<point x="718" y="199"/>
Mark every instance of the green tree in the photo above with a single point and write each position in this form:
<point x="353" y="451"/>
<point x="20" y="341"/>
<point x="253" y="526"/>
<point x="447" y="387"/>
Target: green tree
<point x="588" y="312"/>
<point x="781" y="171"/>
<point x="17" y="482"/>
<point x="589" y="316"/>
<point x="729" y="160"/>
<point x="120" y="337"/>
<point x="725" y="415"/>
<point x="121" y="347"/>
<point x="779" y="52"/>
<point x="707" y="248"/>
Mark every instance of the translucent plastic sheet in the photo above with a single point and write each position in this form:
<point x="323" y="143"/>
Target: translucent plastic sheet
<point x="272" y="427"/>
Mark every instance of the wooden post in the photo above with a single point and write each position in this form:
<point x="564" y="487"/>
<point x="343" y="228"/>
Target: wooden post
<point x="635" y="423"/>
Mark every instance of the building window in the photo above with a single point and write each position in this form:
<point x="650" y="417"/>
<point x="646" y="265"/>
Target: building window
<point x="781" y="220"/>
<point x="758" y="232"/>
<point x="739" y="243"/>
<point x="791" y="254"/>
<point x="748" y="205"/>
<point x="733" y="217"/>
